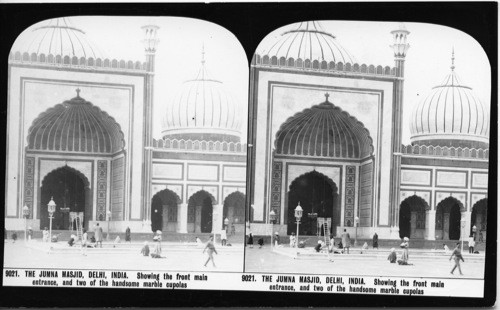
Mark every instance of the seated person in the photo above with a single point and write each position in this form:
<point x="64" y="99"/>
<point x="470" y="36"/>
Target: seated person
<point x="392" y="257"/>
<point x="260" y="242"/>
<point x="364" y="248"/>
<point x="198" y="241"/>
<point x="446" y="249"/>
<point x="145" y="249"/>
<point x="157" y="249"/>
<point x="318" y="246"/>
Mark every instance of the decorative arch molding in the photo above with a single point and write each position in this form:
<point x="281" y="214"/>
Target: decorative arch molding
<point x="294" y="171"/>
<point x="424" y="195"/>
<point x="228" y="191"/>
<point x="451" y="198"/>
<point x="416" y="198"/>
<point x="169" y="192"/>
<point x="475" y="198"/>
<point x="82" y="168"/>
<point x="200" y="193"/>
<point x="333" y="185"/>
<point x="176" y="188"/>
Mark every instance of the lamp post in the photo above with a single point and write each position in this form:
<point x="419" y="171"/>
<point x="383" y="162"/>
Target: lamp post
<point x="26" y="213"/>
<point x="51" y="207"/>
<point x="298" y="216"/>
<point x="356" y="221"/>
<point x="272" y="219"/>
<point x="108" y="217"/>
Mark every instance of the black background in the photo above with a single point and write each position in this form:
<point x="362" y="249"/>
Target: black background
<point x="250" y="23"/>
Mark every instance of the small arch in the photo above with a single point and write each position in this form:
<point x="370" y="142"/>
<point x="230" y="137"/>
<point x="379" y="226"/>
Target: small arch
<point x="291" y="62"/>
<point x="315" y="64"/>
<point x="282" y="62"/>
<point x="274" y="61"/>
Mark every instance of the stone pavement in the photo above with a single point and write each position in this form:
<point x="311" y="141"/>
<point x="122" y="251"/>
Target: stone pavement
<point x="265" y="260"/>
<point x="190" y="259"/>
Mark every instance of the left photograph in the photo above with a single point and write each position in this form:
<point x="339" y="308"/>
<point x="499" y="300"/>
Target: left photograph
<point x="126" y="145"/>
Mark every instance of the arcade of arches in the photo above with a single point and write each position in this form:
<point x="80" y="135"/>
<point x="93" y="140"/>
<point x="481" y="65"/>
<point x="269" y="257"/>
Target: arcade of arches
<point x="318" y="197"/>
<point x="71" y="192"/>
<point x="414" y="221"/>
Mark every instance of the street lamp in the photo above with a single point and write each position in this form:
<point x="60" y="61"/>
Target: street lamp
<point x="108" y="217"/>
<point x="51" y="207"/>
<point x="26" y="213"/>
<point x="356" y="221"/>
<point x="298" y="216"/>
<point x="272" y="219"/>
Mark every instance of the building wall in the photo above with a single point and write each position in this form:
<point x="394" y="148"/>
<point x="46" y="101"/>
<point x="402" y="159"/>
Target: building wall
<point x="219" y="176"/>
<point x="34" y="88"/>
<point x="295" y="91"/>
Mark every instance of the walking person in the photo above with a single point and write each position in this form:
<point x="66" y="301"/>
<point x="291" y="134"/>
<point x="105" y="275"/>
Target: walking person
<point x="472" y="244"/>
<point x="457" y="256"/>
<point x="276" y="239"/>
<point x="250" y="240"/>
<point x="98" y="235"/>
<point x="30" y="233"/>
<point x="211" y="249"/>
<point x="346" y="241"/>
<point x="127" y="235"/>
<point x="375" y="241"/>
<point x="84" y="242"/>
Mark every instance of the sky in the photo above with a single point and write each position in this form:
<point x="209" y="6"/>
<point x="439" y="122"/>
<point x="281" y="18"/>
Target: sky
<point x="181" y="39"/>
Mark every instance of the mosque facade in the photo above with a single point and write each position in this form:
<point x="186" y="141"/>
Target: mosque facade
<point x="327" y="136"/>
<point x="80" y="135"/>
<point x="325" y="133"/>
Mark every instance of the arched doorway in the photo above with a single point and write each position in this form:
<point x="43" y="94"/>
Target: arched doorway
<point x="448" y="218"/>
<point x="200" y="209"/>
<point x="479" y="219"/>
<point x="71" y="192"/>
<point x="412" y="217"/>
<point x="164" y="207"/>
<point x="318" y="197"/>
<point x="234" y="210"/>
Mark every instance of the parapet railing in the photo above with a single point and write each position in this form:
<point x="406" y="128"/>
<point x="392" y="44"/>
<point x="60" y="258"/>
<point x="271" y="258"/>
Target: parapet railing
<point x="197" y="145"/>
<point x="274" y="61"/>
<point x="445" y="151"/>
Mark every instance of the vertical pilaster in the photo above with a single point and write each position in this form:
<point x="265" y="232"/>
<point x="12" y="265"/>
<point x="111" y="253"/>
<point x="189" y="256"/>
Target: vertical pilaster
<point x="467" y="216"/>
<point x="150" y="43"/>
<point x="400" y="48"/>
<point x="182" y="217"/>
<point x="430" y="224"/>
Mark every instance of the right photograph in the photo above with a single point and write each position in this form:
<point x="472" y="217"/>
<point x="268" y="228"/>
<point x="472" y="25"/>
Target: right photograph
<point x="369" y="151"/>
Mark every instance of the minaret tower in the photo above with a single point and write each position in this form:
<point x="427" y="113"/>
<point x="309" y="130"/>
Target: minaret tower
<point x="150" y="42"/>
<point x="400" y="47"/>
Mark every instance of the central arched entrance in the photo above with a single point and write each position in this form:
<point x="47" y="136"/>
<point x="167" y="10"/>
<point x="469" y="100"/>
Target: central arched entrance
<point x="318" y="197"/>
<point x="200" y="209"/>
<point x="412" y="217"/>
<point x="448" y="219"/>
<point x="164" y="207"/>
<point x="71" y="192"/>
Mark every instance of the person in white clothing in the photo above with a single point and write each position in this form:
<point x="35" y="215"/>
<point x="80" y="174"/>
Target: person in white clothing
<point x="84" y="242"/>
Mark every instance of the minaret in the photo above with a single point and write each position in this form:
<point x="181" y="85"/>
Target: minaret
<point x="150" y="42"/>
<point x="400" y="47"/>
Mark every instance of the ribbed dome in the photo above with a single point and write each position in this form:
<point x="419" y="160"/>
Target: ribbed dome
<point x="308" y="41"/>
<point x="451" y="115"/>
<point x="58" y="37"/>
<point x="203" y="110"/>
<point x="324" y="130"/>
<point x="75" y="126"/>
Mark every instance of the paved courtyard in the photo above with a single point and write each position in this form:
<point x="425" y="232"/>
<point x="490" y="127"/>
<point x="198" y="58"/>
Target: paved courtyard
<point x="177" y="259"/>
<point x="264" y="260"/>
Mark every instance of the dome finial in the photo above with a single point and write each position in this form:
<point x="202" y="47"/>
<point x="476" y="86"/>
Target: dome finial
<point x="78" y="92"/>
<point x="326" y="96"/>
<point x="452" y="58"/>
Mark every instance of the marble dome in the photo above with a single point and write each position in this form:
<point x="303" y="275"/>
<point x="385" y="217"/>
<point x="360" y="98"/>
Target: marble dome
<point x="57" y="37"/>
<point x="203" y="109"/>
<point x="308" y="40"/>
<point x="450" y="115"/>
